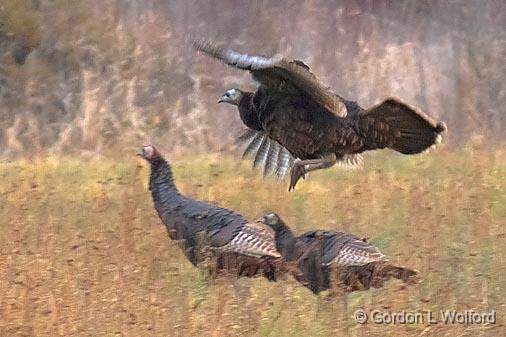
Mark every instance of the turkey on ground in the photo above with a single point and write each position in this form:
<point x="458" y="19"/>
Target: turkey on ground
<point x="292" y="109"/>
<point x="206" y="230"/>
<point x="357" y="264"/>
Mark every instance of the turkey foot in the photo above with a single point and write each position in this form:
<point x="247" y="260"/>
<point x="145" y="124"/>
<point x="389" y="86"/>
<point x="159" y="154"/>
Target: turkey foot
<point x="298" y="171"/>
<point x="300" y="168"/>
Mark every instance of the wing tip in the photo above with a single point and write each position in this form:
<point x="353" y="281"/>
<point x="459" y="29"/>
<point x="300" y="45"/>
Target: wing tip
<point x="205" y="46"/>
<point x="441" y="127"/>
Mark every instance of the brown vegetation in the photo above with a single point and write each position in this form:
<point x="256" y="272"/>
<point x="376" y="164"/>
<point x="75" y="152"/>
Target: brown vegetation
<point x="83" y="252"/>
<point x="88" y="77"/>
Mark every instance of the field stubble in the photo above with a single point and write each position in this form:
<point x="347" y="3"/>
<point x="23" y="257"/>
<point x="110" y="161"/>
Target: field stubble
<point x="83" y="252"/>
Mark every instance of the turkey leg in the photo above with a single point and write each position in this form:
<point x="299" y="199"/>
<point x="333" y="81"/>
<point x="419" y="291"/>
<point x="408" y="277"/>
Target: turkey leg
<point x="300" y="168"/>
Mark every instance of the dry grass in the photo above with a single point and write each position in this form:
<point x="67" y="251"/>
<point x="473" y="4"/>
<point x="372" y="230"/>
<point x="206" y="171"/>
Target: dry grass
<point x="83" y="253"/>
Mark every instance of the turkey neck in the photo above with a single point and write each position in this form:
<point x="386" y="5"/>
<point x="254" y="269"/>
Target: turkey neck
<point x="248" y="113"/>
<point x="161" y="182"/>
<point x="285" y="242"/>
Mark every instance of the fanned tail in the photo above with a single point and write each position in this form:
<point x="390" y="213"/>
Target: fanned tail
<point x="400" y="127"/>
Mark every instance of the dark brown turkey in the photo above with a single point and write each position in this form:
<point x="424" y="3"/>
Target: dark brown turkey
<point x="233" y="243"/>
<point x="357" y="264"/>
<point x="295" y="121"/>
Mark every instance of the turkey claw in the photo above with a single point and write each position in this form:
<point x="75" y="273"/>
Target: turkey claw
<point x="298" y="171"/>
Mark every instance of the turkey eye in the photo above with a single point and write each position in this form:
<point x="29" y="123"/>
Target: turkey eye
<point x="227" y="94"/>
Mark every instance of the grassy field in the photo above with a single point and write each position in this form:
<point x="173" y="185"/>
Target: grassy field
<point x="83" y="253"/>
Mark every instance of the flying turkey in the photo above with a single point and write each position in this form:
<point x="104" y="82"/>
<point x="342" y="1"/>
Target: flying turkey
<point x="293" y="110"/>
<point x="358" y="264"/>
<point x="233" y="243"/>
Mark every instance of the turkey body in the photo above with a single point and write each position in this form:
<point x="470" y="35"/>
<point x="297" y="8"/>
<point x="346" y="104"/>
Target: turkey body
<point x="308" y="131"/>
<point x="357" y="264"/>
<point x="303" y="127"/>
<point x="232" y="241"/>
<point x="291" y="108"/>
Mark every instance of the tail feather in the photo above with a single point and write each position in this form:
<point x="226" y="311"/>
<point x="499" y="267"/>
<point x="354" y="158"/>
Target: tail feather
<point x="400" y="127"/>
<point x="385" y="271"/>
<point x="374" y="275"/>
<point x="246" y="266"/>
<point x="401" y="273"/>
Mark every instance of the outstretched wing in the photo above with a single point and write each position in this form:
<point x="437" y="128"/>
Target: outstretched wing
<point x="266" y="152"/>
<point x="276" y="159"/>
<point x="279" y="74"/>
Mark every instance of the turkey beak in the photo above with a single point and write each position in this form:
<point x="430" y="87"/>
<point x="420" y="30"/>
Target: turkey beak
<point x="222" y="99"/>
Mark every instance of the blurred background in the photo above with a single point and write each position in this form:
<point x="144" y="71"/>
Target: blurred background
<point x="97" y="77"/>
<point x="84" y="83"/>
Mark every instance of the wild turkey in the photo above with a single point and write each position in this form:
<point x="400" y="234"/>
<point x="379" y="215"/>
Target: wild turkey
<point x="233" y="242"/>
<point x="358" y="264"/>
<point x="292" y="109"/>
